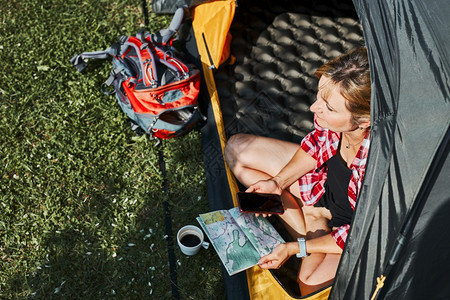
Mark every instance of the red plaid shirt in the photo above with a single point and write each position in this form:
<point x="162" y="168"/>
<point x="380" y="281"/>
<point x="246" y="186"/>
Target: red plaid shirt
<point x="322" y="144"/>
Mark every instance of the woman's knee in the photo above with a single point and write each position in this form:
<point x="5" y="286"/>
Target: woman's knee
<point x="237" y="148"/>
<point x="311" y="284"/>
<point x="317" y="271"/>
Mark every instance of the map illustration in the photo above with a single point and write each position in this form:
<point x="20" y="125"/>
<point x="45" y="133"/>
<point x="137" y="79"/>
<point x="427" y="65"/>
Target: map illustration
<point x="240" y="239"/>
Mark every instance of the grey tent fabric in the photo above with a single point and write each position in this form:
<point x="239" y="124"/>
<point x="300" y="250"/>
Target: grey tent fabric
<point x="408" y="44"/>
<point x="170" y="6"/>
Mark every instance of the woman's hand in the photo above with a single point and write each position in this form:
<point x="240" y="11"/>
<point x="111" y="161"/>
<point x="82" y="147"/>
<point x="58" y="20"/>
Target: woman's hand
<point x="269" y="186"/>
<point x="279" y="255"/>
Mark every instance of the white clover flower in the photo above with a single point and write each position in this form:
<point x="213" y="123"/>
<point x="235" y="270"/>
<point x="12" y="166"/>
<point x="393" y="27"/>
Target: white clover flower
<point x="58" y="289"/>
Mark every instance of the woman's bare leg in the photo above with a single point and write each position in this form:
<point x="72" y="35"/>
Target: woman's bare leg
<point x="293" y="218"/>
<point x="317" y="271"/>
<point x="252" y="158"/>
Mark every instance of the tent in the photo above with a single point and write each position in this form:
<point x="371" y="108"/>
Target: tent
<point x="397" y="246"/>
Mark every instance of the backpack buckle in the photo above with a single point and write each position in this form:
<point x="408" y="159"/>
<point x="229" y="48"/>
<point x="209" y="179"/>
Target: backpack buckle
<point x="112" y="76"/>
<point x="114" y="50"/>
<point x="143" y="46"/>
<point x="123" y="39"/>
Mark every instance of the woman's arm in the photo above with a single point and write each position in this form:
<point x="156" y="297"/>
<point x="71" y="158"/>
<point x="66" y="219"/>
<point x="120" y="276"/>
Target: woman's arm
<point x="323" y="244"/>
<point x="300" y="164"/>
<point x="281" y="253"/>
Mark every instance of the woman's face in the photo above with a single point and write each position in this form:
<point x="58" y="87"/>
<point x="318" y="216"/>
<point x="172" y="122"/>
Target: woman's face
<point x="330" y="109"/>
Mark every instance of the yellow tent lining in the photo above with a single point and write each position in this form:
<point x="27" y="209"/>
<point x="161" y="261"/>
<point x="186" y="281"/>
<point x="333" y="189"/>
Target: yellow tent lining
<point x="199" y="27"/>
<point x="261" y="286"/>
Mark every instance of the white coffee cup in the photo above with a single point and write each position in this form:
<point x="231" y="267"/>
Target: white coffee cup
<point x="190" y="239"/>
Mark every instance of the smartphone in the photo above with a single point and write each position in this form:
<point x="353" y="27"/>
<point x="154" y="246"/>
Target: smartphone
<point x="260" y="203"/>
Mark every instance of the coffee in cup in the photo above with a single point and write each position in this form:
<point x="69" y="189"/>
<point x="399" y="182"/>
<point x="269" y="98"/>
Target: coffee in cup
<point x="190" y="238"/>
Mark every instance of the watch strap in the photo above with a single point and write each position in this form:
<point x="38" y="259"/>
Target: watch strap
<point x="302" y="246"/>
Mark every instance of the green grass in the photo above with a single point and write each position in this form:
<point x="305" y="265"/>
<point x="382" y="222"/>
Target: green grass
<point x="81" y="205"/>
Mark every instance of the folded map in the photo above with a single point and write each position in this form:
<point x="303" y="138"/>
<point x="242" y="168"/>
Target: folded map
<point x="240" y="239"/>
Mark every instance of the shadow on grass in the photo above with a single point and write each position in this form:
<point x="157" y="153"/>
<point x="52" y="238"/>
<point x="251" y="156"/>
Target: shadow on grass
<point x="116" y="246"/>
<point x="81" y="263"/>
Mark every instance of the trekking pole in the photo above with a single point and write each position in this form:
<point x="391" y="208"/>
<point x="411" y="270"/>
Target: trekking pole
<point x="145" y="11"/>
<point x="168" y="222"/>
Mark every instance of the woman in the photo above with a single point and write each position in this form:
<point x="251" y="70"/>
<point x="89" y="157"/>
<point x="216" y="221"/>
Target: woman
<point x="319" y="180"/>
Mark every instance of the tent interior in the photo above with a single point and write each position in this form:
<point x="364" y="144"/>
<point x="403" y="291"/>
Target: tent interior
<point x="267" y="90"/>
<point x="267" y="87"/>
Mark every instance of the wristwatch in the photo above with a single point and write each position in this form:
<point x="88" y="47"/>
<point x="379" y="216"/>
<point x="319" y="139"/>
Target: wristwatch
<point x="302" y="245"/>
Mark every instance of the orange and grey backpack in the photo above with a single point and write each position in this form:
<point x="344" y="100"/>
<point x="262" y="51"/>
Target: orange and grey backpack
<point x="157" y="91"/>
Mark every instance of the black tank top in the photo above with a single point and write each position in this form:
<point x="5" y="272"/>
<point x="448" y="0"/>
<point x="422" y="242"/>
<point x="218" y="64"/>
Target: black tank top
<point x="335" y="197"/>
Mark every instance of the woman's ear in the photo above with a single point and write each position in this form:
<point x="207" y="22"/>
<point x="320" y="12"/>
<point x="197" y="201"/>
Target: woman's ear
<point x="364" y="123"/>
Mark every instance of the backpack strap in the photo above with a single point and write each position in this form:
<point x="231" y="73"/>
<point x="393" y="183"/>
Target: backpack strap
<point x="78" y="60"/>
<point x="146" y="60"/>
<point x="164" y="36"/>
<point x="148" y="54"/>
<point x="165" y="56"/>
